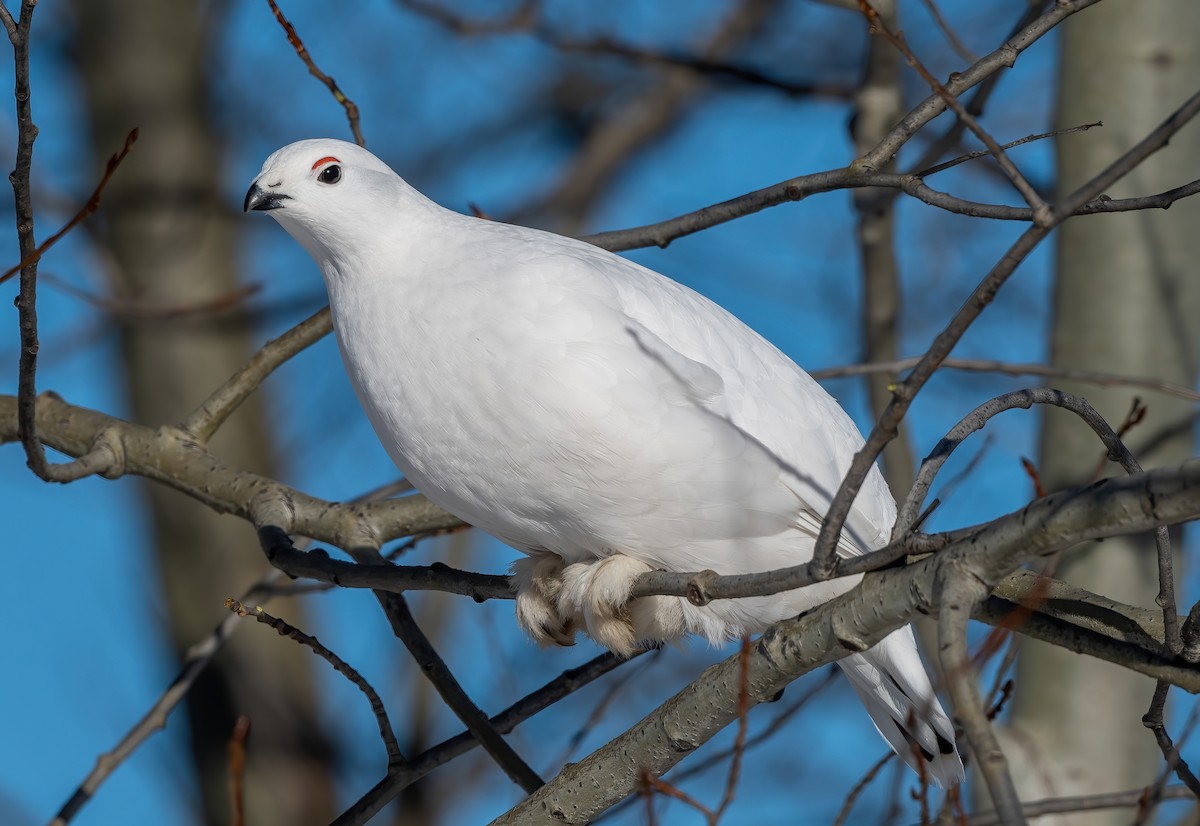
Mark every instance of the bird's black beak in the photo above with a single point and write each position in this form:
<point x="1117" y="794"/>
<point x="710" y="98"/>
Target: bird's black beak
<point x="259" y="199"/>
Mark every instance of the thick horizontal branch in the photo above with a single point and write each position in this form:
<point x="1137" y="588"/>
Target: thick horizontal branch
<point x="1052" y="611"/>
<point x="168" y="456"/>
<point x="797" y="189"/>
<point x="394" y="578"/>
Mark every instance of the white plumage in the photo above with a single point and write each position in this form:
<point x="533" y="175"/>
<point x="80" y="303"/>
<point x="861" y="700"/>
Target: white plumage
<point x="595" y="415"/>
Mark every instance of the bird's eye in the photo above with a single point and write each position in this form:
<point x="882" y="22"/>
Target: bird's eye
<point x="330" y="174"/>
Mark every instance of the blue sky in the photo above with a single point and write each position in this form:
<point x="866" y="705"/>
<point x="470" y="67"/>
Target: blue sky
<point x="80" y="602"/>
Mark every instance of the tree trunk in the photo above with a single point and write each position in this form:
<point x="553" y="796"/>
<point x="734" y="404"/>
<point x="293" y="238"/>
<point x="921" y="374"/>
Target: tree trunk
<point x="1126" y="302"/>
<point x="144" y="64"/>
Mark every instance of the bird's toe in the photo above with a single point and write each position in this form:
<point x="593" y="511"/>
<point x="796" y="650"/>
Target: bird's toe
<point x="598" y="594"/>
<point x="538" y="581"/>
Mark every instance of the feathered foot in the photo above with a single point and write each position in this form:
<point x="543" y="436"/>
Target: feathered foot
<point x="596" y="595"/>
<point x="539" y="583"/>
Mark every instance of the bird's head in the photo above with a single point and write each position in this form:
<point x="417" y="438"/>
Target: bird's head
<point x="329" y="195"/>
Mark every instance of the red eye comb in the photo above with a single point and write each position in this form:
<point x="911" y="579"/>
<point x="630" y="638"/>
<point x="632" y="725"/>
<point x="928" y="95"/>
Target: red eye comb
<point x="326" y="159"/>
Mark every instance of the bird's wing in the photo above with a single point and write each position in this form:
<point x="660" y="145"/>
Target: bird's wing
<point x="768" y="397"/>
<point x="677" y="426"/>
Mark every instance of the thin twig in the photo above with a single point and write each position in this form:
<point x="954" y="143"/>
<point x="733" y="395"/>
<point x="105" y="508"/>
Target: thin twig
<point x="504" y="722"/>
<point x="860" y="787"/>
<point x="132" y="310"/>
<point x="970" y="156"/>
<point x="351" y="108"/>
<point x="1034" y="12"/>
<point x="651" y="785"/>
<point x="284" y="629"/>
<point x="1153" y="720"/>
<point x="999" y="696"/>
<point x="237" y="770"/>
<point x="405" y="627"/>
<point x="948" y="32"/>
<point x="155" y="719"/>
<point x="92" y="204"/>
<point x="1032" y="472"/>
<point x="27" y="298"/>
<point x="1041" y="212"/>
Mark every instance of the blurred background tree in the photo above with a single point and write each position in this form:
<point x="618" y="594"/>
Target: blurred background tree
<point x="1125" y="298"/>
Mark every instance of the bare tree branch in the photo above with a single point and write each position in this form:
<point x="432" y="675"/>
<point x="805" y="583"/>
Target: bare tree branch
<point x="209" y="416"/>
<point x="959" y="594"/>
<point x="435" y="668"/>
<point x="825" y="563"/>
<point x="170" y="456"/>
<point x="284" y="629"/>
<point x="970" y="156"/>
<point x="1015" y="369"/>
<point x="945" y="28"/>
<point x="1041" y="212"/>
<point x="1153" y="720"/>
<point x="1083" y="803"/>
<point x="504" y="722"/>
<point x="351" y="108"/>
<point x="853" y="622"/>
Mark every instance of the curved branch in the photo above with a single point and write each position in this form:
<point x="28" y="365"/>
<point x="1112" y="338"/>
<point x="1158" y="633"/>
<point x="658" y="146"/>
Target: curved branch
<point x="1116" y="450"/>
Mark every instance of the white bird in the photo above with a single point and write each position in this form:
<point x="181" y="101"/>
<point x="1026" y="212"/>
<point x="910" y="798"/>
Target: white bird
<point x="595" y="415"/>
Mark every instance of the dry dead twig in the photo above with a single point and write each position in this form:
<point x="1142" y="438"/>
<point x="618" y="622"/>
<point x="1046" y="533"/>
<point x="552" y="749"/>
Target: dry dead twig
<point x="352" y="114"/>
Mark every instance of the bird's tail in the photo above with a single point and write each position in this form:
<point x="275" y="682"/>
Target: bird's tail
<point x="893" y="685"/>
